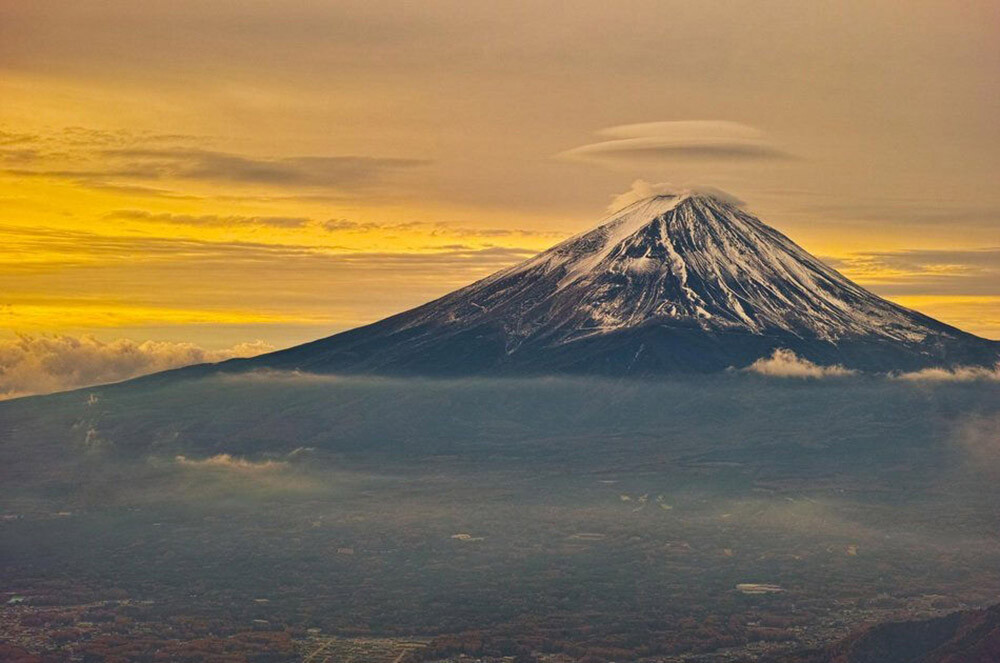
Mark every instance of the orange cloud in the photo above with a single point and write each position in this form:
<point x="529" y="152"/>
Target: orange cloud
<point x="786" y="364"/>
<point x="42" y="364"/>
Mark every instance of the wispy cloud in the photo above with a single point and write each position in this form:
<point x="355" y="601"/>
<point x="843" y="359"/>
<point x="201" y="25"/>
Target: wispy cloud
<point x="906" y="212"/>
<point x="63" y="246"/>
<point x="209" y="477"/>
<point x="432" y="229"/>
<point x="978" y="436"/>
<point x="73" y="280"/>
<point x="200" y="164"/>
<point x="127" y="162"/>
<point x="921" y="271"/>
<point x="230" y="462"/>
<point x="208" y="219"/>
<point x="16" y="138"/>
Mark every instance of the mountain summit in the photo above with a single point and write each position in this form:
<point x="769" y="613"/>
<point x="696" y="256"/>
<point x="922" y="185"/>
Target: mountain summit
<point x="686" y="282"/>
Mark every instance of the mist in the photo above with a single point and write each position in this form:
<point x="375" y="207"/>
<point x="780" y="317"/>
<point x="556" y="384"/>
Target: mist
<point x="434" y="506"/>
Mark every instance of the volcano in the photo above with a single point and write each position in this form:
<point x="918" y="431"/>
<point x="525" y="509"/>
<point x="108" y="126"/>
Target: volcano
<point x="680" y="283"/>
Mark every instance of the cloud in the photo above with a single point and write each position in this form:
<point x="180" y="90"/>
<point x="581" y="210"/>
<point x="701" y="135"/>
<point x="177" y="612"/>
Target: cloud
<point x="955" y="374"/>
<point x="229" y="462"/>
<point x="346" y="225"/>
<point x="432" y="229"/>
<point x="124" y="161"/>
<point x="786" y="364"/>
<point x="224" y="474"/>
<point x="959" y="286"/>
<point x="16" y="138"/>
<point x="78" y="281"/>
<point x="275" y="376"/>
<point x="133" y="189"/>
<point x="979" y="437"/>
<point x="910" y="212"/>
<point x="641" y="189"/>
<point x="200" y="164"/>
<point x="43" y="364"/>
<point x="64" y="247"/>
<point x="681" y="140"/>
<point x="16" y="155"/>
<point x="925" y="271"/>
<point x="209" y="219"/>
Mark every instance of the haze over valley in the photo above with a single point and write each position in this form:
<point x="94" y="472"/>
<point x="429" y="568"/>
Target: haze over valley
<point x="370" y="331"/>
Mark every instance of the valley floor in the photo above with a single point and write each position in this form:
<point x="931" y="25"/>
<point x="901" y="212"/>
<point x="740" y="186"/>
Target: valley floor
<point x="716" y="520"/>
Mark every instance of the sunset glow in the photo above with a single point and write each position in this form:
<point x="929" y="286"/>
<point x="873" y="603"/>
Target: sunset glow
<point x="281" y="172"/>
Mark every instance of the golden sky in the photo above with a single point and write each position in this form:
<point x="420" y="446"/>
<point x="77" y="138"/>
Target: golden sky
<point x="220" y="173"/>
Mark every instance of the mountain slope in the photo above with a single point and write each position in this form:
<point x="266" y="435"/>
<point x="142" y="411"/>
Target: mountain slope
<point x="673" y="283"/>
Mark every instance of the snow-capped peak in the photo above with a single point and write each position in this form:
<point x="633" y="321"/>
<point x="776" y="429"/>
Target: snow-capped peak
<point x="679" y="281"/>
<point x="691" y="257"/>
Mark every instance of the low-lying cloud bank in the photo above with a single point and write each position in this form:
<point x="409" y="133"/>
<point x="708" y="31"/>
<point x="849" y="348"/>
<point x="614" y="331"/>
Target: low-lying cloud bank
<point x="230" y="462"/>
<point x="786" y="364"/>
<point x="44" y="364"/>
<point x="956" y="374"/>
<point x="279" y="376"/>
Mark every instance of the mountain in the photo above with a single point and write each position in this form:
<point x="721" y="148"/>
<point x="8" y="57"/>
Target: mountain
<point x="674" y="283"/>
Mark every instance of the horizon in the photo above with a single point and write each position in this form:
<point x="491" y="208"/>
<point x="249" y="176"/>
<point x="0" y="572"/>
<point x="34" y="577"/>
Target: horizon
<point x="88" y="360"/>
<point x="166" y="190"/>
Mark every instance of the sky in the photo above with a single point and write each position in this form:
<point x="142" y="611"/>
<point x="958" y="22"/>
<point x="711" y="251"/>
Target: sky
<point x="232" y="175"/>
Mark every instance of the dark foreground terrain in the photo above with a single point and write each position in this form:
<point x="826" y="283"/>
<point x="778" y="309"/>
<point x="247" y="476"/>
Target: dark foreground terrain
<point x="286" y="517"/>
<point x="968" y="636"/>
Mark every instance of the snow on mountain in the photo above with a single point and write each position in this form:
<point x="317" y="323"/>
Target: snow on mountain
<point x="685" y="257"/>
<point x="680" y="282"/>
